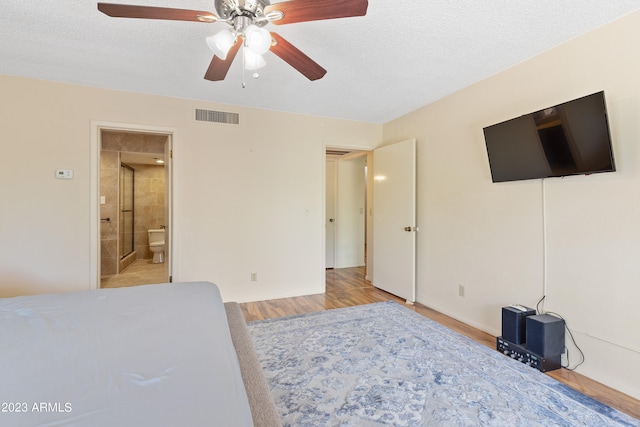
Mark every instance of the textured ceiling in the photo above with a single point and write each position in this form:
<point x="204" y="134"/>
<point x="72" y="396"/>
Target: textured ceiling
<point x="402" y="55"/>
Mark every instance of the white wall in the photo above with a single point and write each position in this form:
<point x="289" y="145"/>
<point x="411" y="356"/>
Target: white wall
<point x="489" y="237"/>
<point x="350" y="206"/>
<point x="242" y="193"/>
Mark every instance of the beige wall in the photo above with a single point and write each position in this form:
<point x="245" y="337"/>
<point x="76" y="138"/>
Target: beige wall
<point x="489" y="237"/>
<point x="247" y="198"/>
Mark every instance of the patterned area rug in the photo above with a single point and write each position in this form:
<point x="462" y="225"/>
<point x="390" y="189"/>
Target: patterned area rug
<point x="382" y="364"/>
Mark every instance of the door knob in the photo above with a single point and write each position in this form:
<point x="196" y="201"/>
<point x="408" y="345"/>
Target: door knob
<point x="330" y="219"/>
<point x="411" y="229"/>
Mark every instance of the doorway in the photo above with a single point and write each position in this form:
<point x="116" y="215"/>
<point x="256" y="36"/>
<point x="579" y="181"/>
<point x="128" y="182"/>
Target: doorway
<point x="134" y="189"/>
<point x="345" y="208"/>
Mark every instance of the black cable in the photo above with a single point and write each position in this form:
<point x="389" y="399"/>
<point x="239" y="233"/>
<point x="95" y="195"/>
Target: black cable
<point x="538" y="304"/>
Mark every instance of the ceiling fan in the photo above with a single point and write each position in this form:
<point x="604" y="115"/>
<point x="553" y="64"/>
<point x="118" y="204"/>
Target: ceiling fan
<point x="246" y="19"/>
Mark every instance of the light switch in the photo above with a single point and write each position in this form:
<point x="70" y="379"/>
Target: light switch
<point x="64" y="173"/>
<point x="103" y="200"/>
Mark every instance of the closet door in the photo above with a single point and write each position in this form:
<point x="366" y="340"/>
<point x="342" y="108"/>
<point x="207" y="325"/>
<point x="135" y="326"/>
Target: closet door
<point x="394" y="219"/>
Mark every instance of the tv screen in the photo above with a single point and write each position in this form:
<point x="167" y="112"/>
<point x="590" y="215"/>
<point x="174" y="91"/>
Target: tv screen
<point x="567" y="139"/>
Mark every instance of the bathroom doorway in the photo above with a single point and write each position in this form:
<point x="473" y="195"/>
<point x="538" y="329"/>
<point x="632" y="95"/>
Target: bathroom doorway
<point x="135" y="197"/>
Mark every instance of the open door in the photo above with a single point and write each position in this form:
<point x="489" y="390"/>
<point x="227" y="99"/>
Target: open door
<point x="394" y="219"/>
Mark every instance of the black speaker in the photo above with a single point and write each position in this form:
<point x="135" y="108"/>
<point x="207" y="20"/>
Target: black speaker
<point x="545" y="335"/>
<point x="513" y="323"/>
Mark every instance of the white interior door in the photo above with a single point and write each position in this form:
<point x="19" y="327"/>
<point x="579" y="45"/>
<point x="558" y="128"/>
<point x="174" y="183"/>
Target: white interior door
<point x="394" y="219"/>
<point x="330" y="214"/>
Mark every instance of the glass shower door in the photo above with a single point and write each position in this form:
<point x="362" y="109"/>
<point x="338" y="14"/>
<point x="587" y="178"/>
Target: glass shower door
<point x="127" y="176"/>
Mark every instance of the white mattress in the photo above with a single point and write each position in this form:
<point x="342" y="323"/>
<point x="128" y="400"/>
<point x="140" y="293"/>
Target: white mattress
<point x="154" y="355"/>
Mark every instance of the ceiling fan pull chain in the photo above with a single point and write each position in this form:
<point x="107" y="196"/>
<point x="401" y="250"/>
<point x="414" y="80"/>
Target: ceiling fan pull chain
<point x="243" y="66"/>
<point x="255" y="74"/>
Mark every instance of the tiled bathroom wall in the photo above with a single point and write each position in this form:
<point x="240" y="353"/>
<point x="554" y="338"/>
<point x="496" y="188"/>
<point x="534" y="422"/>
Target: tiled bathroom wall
<point x="109" y="171"/>
<point x="133" y="142"/>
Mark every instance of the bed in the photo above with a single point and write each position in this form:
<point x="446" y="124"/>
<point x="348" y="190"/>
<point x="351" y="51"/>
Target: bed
<point x="152" y="355"/>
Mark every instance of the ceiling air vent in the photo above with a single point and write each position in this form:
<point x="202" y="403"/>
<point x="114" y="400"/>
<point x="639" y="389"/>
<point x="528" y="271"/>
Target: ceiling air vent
<point x="217" y="117"/>
<point x="337" y="152"/>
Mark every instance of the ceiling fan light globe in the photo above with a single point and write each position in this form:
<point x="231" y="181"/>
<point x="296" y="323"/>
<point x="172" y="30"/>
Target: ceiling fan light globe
<point x="252" y="60"/>
<point x="220" y="43"/>
<point x="258" y="39"/>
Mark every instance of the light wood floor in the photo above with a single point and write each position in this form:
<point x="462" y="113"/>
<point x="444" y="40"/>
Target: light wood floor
<point x="348" y="287"/>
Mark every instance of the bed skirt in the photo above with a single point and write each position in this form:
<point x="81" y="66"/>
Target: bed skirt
<point x="263" y="409"/>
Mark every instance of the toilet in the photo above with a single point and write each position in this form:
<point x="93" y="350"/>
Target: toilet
<point x="156" y="245"/>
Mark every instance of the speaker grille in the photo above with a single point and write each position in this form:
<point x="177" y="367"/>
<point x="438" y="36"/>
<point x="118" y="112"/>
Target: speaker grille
<point x="545" y="335"/>
<point x="213" y="116"/>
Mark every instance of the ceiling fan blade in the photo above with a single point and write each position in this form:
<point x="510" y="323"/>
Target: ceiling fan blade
<point x="314" y="10"/>
<point x="294" y="57"/>
<point x="150" y="12"/>
<point x="219" y="67"/>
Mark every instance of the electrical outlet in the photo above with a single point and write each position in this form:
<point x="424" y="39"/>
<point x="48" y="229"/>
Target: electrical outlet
<point x="254" y="277"/>
<point x="64" y="173"/>
<point x="461" y="290"/>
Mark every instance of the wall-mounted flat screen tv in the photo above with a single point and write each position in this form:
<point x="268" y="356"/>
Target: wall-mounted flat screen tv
<point x="567" y="139"/>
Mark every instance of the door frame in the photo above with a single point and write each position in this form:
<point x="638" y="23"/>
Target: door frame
<point x="94" y="223"/>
